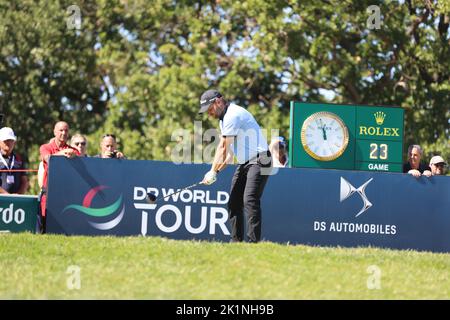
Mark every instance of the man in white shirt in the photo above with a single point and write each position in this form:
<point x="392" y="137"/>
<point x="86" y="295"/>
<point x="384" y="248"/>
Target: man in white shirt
<point x="242" y="137"/>
<point x="13" y="176"/>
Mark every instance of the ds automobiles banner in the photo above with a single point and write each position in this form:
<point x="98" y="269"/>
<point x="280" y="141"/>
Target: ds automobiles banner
<point x="93" y="196"/>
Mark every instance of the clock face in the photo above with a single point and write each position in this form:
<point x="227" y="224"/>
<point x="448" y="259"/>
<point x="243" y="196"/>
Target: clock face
<point x="324" y="136"/>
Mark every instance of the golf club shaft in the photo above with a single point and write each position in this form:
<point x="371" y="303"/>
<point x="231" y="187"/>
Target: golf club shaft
<point x="166" y="196"/>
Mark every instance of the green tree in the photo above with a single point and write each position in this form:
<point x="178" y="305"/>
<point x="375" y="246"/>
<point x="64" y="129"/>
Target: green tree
<point x="48" y="71"/>
<point x="264" y="54"/>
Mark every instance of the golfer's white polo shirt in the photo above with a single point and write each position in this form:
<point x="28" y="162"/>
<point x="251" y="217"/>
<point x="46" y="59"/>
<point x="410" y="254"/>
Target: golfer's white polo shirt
<point x="240" y="123"/>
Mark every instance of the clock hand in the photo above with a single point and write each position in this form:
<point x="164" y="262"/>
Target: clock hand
<point x="323" y="130"/>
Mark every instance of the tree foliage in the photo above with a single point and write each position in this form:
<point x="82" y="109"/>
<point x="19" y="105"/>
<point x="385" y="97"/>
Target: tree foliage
<point x="137" y="68"/>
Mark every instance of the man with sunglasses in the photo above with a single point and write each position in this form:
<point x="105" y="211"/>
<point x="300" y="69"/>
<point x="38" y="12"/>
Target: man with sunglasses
<point x="241" y="136"/>
<point x="437" y="165"/>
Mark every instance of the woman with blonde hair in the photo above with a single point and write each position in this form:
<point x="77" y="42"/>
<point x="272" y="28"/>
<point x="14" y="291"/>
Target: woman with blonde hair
<point x="79" y="142"/>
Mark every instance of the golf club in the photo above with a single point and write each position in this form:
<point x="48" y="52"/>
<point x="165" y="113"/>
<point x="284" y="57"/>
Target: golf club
<point x="151" y="198"/>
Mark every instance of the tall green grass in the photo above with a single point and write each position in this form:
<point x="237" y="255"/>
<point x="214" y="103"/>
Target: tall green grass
<point x="45" y="267"/>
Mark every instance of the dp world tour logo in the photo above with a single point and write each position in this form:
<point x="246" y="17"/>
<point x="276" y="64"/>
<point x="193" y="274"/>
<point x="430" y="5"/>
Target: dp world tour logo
<point x="100" y="212"/>
<point x="347" y="190"/>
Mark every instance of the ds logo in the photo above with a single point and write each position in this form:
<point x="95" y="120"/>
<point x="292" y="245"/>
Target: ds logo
<point x="347" y="190"/>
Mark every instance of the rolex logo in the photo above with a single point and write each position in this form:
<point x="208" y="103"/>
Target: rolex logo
<point x="379" y="117"/>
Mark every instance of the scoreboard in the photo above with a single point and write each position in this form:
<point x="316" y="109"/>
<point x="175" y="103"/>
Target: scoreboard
<point x="348" y="137"/>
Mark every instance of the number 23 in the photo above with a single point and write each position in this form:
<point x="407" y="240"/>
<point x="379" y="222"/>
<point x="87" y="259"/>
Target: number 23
<point x="376" y="153"/>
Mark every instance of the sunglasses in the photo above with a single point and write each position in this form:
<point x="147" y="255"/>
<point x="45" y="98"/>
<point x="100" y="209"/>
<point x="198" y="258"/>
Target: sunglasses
<point x="109" y="135"/>
<point x="79" y="143"/>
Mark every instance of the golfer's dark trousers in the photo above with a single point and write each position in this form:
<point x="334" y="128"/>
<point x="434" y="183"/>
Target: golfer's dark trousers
<point x="247" y="187"/>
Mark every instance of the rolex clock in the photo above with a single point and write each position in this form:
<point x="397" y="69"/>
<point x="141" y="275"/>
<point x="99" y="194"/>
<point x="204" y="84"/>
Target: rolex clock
<point x="324" y="136"/>
<point x="346" y="137"/>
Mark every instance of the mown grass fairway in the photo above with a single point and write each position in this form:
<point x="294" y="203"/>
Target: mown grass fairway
<point x="36" y="267"/>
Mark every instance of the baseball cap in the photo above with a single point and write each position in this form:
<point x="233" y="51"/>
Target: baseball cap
<point x="7" y="133"/>
<point x="208" y="97"/>
<point x="436" y="160"/>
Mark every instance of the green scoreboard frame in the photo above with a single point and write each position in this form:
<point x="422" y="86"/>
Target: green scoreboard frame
<point x="372" y="136"/>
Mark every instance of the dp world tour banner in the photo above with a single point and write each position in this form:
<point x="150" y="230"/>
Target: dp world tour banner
<point x="96" y="196"/>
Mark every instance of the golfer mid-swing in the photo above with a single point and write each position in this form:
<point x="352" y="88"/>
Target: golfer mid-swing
<point x="242" y="136"/>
